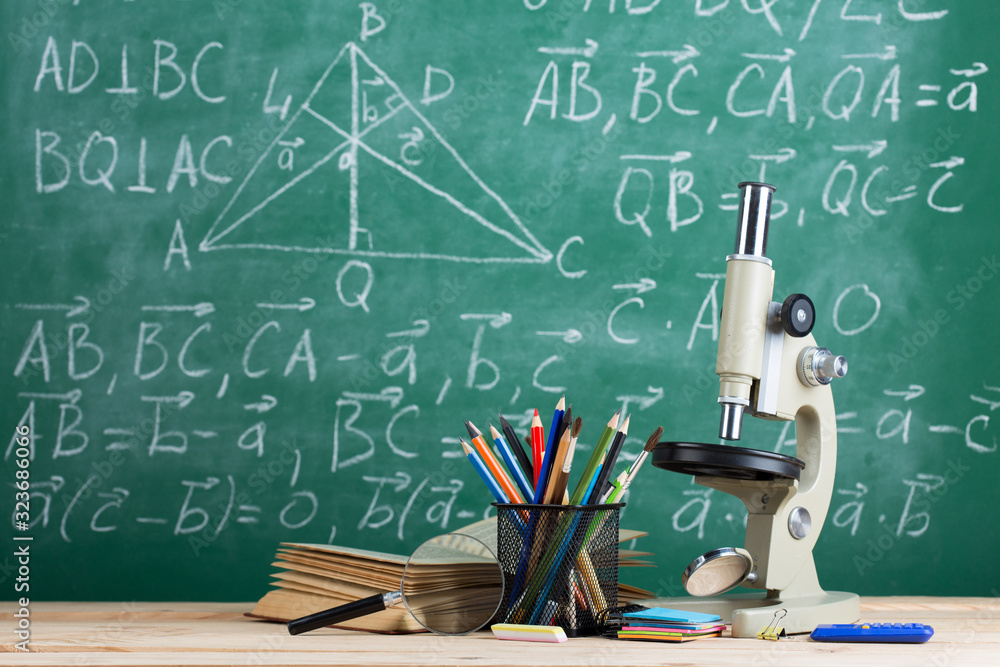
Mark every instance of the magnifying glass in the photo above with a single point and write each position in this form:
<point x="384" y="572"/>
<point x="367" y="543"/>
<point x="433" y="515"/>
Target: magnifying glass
<point x="718" y="571"/>
<point x="452" y="585"/>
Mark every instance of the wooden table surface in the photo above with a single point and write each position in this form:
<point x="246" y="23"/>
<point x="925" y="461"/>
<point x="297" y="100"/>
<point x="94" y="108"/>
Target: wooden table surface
<point x="966" y="632"/>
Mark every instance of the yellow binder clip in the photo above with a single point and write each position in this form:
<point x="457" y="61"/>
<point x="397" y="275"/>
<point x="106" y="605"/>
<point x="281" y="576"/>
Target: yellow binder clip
<point x="772" y="631"/>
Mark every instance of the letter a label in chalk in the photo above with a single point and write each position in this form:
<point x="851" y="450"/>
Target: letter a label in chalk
<point x="353" y="134"/>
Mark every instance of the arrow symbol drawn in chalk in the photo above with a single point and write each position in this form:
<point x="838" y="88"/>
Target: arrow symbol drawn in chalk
<point x="303" y="304"/>
<point x="497" y="320"/>
<point x="266" y="403"/>
<point x="71" y="396"/>
<point x="873" y="149"/>
<point x="644" y="285"/>
<point x="679" y="156"/>
<point x="82" y="305"/>
<point x="783" y="155"/>
<point x="888" y="54"/>
<point x="976" y="70"/>
<point x="391" y="395"/>
<point x="677" y="57"/>
<point x="182" y="398"/>
<point x="420" y="329"/>
<point x="569" y="336"/>
<point x="587" y="51"/>
<point x="644" y="401"/>
<point x="199" y="309"/>
<point x="781" y="58"/>
<point x="950" y="163"/>
<point x="908" y="394"/>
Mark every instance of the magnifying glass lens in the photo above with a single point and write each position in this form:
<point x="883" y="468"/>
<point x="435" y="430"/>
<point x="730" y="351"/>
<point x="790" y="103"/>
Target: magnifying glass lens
<point x="452" y="584"/>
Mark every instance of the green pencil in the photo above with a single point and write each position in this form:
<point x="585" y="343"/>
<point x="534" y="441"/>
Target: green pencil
<point x="595" y="461"/>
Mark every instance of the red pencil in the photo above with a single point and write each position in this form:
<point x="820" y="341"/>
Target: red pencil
<point x="537" y="445"/>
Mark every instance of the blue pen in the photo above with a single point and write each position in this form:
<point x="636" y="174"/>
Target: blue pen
<point x="508" y="457"/>
<point x="550" y="450"/>
<point x="480" y="467"/>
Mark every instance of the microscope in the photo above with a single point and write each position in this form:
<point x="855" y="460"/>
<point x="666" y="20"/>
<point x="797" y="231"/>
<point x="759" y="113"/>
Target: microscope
<point x="770" y="366"/>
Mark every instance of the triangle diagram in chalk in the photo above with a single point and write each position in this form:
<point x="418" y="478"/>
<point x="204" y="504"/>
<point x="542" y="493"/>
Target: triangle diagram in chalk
<point x="359" y="170"/>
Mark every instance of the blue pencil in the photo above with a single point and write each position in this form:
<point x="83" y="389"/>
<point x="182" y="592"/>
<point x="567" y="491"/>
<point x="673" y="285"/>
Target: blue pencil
<point x="480" y="467"/>
<point x="593" y="480"/>
<point x="508" y="457"/>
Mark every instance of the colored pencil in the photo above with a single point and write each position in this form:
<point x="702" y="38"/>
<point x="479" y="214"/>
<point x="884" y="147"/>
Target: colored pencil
<point x="491" y="483"/>
<point x="567" y="423"/>
<point x="508" y="457"/>
<point x="555" y="433"/>
<point x="605" y="472"/>
<point x="492" y="464"/>
<point x="560" y="475"/>
<point x="551" y="452"/>
<point x="593" y="480"/>
<point x="537" y="446"/>
<point x="625" y="479"/>
<point x="515" y="444"/>
<point x="558" y="459"/>
<point x="595" y="458"/>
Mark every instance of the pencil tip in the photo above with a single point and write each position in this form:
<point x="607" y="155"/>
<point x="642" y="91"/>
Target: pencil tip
<point x="465" y="447"/>
<point x="561" y="405"/>
<point x="473" y="431"/>
<point x="536" y="412"/>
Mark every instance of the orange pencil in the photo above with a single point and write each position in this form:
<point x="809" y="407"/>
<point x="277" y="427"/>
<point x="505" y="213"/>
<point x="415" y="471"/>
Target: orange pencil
<point x="492" y="464"/>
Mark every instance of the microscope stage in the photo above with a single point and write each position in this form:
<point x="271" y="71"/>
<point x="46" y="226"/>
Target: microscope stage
<point x="694" y="458"/>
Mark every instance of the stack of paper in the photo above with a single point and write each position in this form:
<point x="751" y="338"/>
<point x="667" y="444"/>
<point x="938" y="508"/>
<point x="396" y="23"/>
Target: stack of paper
<point x="670" y="625"/>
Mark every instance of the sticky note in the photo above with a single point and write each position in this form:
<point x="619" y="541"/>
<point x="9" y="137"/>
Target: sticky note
<point x="528" y="633"/>
<point x="674" y="615"/>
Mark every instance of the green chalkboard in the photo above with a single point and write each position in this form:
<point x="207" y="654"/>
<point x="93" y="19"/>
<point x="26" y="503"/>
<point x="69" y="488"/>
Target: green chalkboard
<point x="261" y="260"/>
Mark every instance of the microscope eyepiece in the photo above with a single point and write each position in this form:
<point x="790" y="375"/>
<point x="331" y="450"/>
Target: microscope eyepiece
<point x="755" y="215"/>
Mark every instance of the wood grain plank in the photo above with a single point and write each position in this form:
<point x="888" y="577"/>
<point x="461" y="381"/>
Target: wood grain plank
<point x="967" y="632"/>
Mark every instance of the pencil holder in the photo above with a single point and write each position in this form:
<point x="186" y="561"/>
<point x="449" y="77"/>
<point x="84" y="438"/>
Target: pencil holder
<point x="560" y="564"/>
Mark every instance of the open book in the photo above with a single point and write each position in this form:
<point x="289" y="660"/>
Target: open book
<point x="314" y="577"/>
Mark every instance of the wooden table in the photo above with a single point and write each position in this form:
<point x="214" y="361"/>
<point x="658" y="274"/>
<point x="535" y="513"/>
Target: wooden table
<point x="967" y="632"/>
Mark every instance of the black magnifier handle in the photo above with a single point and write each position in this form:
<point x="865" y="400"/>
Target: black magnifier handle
<point x="344" y="612"/>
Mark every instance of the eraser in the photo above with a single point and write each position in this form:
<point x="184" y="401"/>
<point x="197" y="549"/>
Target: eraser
<point x="528" y="633"/>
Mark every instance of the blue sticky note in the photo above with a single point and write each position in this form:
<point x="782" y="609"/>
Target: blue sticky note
<point x="673" y="615"/>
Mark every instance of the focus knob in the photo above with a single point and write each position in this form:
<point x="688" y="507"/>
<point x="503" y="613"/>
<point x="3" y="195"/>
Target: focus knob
<point x="798" y="315"/>
<point x="818" y="366"/>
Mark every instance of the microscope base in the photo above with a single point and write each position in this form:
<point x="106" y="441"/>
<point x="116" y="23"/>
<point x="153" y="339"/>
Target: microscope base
<point x="750" y="613"/>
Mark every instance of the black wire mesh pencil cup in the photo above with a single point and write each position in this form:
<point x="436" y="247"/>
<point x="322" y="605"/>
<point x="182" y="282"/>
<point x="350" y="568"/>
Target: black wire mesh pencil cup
<point x="560" y="564"/>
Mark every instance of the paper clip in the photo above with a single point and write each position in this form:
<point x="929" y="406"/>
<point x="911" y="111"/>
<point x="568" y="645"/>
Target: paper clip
<point x="771" y="630"/>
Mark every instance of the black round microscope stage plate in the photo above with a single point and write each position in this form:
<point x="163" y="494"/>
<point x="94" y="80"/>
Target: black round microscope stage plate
<point x="695" y="458"/>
